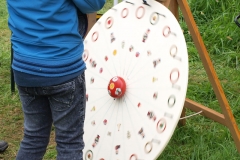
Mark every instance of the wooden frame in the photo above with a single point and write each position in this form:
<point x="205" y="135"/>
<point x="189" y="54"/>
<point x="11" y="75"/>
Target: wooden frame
<point x="226" y="117"/>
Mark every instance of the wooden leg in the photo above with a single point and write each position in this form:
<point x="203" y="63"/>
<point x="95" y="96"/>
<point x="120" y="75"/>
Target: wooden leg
<point x="164" y="2"/>
<point x="91" y="21"/>
<point x="174" y="8"/>
<point x="183" y="121"/>
<point x="207" y="112"/>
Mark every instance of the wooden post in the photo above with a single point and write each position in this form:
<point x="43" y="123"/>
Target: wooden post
<point x="164" y="2"/>
<point x="174" y="8"/>
<point x="91" y="21"/>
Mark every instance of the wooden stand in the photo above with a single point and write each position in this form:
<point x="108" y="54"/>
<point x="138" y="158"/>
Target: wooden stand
<point x="226" y="118"/>
<point x="91" y="21"/>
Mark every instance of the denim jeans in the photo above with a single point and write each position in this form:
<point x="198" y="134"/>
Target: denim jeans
<point x="61" y="105"/>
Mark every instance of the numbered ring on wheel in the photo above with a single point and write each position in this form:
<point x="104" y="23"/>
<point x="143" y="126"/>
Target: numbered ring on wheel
<point x="95" y="36"/>
<point x="171" y="101"/>
<point x="173" y="51"/>
<point x="133" y="157"/>
<point x="85" y="55"/>
<point x="166" y="31"/>
<point x="109" y="22"/>
<point x="148" y="147"/>
<point x="89" y="155"/>
<point x="138" y="10"/>
<point x="124" y="13"/>
<point x="161" y="125"/>
<point x="154" y="18"/>
<point x="174" y="75"/>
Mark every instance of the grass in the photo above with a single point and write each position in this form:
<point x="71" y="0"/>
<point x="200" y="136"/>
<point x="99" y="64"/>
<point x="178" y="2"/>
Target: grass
<point x="200" y="138"/>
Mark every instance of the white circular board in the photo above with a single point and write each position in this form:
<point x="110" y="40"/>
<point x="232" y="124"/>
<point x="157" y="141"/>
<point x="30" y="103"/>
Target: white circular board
<point x="145" y="46"/>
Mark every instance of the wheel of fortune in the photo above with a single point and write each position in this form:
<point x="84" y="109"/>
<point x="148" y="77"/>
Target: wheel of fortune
<point x="136" y="82"/>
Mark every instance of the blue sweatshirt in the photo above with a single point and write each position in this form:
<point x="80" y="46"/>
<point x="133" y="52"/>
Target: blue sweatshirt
<point x="47" y="45"/>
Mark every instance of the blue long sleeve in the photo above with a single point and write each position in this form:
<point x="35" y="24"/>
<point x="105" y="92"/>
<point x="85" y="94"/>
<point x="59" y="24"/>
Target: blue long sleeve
<point x="89" y="6"/>
<point x="46" y="39"/>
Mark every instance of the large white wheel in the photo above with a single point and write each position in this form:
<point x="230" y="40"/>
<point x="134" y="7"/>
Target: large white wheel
<point x="136" y="78"/>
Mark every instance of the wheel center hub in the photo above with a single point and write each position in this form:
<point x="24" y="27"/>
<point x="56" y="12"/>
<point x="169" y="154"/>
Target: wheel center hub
<point x="117" y="87"/>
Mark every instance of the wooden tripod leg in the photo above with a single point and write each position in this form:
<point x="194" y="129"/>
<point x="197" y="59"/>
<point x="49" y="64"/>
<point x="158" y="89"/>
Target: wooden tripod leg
<point x="207" y="112"/>
<point x="182" y="122"/>
<point x="173" y="7"/>
<point x="164" y="2"/>
<point x="231" y="123"/>
<point x="91" y="21"/>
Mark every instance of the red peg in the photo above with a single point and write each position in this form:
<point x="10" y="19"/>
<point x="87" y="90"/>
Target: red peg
<point x="116" y="87"/>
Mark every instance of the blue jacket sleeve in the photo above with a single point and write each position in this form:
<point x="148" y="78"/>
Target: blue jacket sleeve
<point x="89" y="6"/>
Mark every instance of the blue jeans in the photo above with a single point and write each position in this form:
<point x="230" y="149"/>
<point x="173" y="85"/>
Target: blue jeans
<point x="61" y="105"/>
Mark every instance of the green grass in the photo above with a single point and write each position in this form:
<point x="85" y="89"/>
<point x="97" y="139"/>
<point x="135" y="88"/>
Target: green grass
<point x="200" y="138"/>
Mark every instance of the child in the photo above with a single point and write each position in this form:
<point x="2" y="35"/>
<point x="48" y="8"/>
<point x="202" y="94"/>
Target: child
<point x="49" y="72"/>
